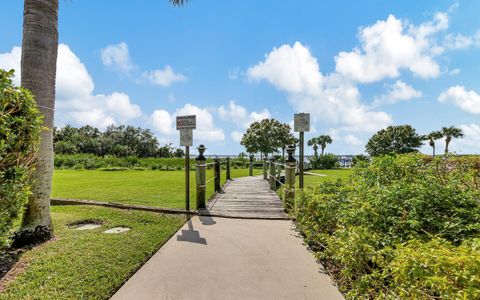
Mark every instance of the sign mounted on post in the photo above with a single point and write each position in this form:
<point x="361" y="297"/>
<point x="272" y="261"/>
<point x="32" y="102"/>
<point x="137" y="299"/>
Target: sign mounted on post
<point x="186" y="122"/>
<point x="301" y="122"/>
<point x="186" y="137"/>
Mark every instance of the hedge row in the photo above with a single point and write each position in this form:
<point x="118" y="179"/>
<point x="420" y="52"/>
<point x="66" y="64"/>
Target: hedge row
<point x="113" y="163"/>
<point x="403" y="227"/>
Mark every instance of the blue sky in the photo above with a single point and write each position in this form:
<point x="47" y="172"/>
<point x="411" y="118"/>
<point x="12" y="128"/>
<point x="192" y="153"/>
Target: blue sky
<point x="356" y="66"/>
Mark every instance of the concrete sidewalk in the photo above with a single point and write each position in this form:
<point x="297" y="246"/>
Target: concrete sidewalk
<point x="221" y="258"/>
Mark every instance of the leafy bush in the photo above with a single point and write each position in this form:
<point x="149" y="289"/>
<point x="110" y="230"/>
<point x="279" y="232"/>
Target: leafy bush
<point x="326" y="161"/>
<point x="20" y="126"/>
<point x="397" y="228"/>
<point x="91" y="161"/>
<point x="357" y="159"/>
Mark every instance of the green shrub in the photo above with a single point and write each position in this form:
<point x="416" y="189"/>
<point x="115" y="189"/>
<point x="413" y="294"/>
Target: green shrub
<point x="394" y="207"/>
<point x="326" y="161"/>
<point x="360" y="158"/>
<point x="20" y="127"/>
<point x="436" y="269"/>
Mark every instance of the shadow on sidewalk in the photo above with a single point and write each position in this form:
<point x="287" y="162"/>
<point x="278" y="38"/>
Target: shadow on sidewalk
<point x="191" y="235"/>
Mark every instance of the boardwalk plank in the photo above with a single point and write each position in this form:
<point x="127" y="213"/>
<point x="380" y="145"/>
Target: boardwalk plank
<point x="247" y="197"/>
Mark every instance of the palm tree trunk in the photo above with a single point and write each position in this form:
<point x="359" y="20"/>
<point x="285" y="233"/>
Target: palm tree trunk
<point x="447" y="141"/>
<point x="433" y="147"/>
<point x="39" y="63"/>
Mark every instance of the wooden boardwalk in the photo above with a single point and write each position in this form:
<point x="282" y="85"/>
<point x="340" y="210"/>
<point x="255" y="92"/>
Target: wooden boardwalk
<point x="249" y="198"/>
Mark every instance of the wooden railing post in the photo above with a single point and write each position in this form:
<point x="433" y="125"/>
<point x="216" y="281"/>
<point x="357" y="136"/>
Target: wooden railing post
<point x="227" y="171"/>
<point x="216" y="170"/>
<point x="289" y="192"/>
<point x="250" y="166"/>
<point x="265" y="168"/>
<point x="200" y="177"/>
<point x="272" y="174"/>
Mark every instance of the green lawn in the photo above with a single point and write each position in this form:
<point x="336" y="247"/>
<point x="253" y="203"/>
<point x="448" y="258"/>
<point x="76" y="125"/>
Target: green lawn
<point x="335" y="174"/>
<point x="153" y="188"/>
<point x="90" y="264"/>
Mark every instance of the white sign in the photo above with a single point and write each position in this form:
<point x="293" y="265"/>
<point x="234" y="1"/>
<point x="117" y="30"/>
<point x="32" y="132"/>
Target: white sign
<point x="301" y="122"/>
<point x="186" y="137"/>
<point x="186" y="122"/>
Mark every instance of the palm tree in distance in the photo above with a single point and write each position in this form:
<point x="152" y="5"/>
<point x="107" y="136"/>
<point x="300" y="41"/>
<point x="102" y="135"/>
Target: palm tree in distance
<point x="450" y="133"/>
<point x="431" y="138"/>
<point x="38" y="74"/>
<point x="313" y="142"/>
<point x="323" y="140"/>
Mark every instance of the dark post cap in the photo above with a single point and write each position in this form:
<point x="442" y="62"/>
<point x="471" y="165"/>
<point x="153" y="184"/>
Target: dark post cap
<point x="201" y="149"/>
<point x="291" y="152"/>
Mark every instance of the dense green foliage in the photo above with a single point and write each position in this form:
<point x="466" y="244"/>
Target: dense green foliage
<point x="20" y="127"/>
<point x="267" y="136"/>
<point x="402" y="227"/>
<point x="394" y="140"/>
<point x="324" y="161"/>
<point x="121" y="141"/>
<point x="360" y="158"/>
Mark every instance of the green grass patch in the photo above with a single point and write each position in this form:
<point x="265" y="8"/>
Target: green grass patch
<point x="332" y="175"/>
<point x="90" y="264"/>
<point x="146" y="187"/>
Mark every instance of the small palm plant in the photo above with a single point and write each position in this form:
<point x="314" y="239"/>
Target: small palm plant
<point x="450" y="133"/>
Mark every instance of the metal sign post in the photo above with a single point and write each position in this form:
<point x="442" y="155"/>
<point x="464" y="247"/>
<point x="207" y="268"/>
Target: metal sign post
<point x="186" y="124"/>
<point x="301" y="123"/>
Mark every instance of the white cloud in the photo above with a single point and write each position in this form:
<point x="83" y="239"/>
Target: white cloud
<point x="76" y="103"/>
<point x="330" y="99"/>
<point x="292" y="69"/>
<point x="206" y="131"/>
<point x="399" y="91"/>
<point x="118" y="57"/>
<point x="236" y="136"/>
<point x="454" y="72"/>
<point x="353" y="140"/>
<point x="163" y="77"/>
<point x="164" y="123"/>
<point x="469" y="101"/>
<point x="470" y="144"/>
<point x="458" y="41"/>
<point x="239" y="115"/>
<point x="389" y="46"/>
<point x="11" y="60"/>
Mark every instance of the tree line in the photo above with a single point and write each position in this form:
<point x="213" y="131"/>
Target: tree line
<point x="405" y="139"/>
<point x="120" y="141"/>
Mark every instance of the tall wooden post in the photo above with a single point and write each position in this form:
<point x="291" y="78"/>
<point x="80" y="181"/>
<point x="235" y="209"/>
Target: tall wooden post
<point x="216" y="171"/>
<point x="250" y="166"/>
<point x="272" y="174"/>
<point x="200" y="177"/>
<point x="265" y="174"/>
<point x="300" y="178"/>
<point x="227" y="171"/>
<point x="289" y="192"/>
<point x="187" y="178"/>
